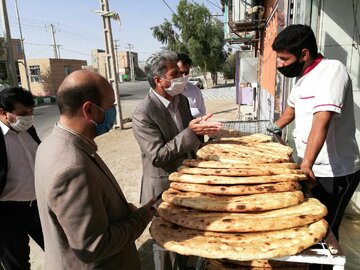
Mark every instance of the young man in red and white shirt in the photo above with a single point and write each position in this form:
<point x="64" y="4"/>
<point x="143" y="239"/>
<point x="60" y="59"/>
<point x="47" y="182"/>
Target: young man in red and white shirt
<point x="321" y="103"/>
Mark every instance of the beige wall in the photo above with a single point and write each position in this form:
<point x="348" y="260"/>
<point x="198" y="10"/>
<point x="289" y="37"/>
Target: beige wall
<point x="123" y="64"/>
<point x="52" y="73"/>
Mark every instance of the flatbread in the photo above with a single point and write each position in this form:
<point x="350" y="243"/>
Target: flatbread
<point x="199" y="163"/>
<point x="294" y="216"/>
<point x="231" y="150"/>
<point x="236" y="189"/>
<point x="265" y="263"/>
<point x="224" y="156"/>
<point x="232" y="246"/>
<point x="247" y="203"/>
<point x="232" y="180"/>
<point x="255" y="171"/>
<point x="237" y="136"/>
<point x="237" y="265"/>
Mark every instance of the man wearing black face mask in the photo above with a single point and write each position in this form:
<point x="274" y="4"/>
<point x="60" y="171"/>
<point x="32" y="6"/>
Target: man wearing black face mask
<point x="19" y="216"/>
<point x="321" y="103"/>
<point x="87" y="221"/>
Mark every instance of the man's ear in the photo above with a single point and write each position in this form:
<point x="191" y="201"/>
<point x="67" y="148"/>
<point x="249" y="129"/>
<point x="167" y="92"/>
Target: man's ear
<point x="305" y="54"/>
<point x="157" y="79"/>
<point x="87" y="110"/>
<point x="3" y="113"/>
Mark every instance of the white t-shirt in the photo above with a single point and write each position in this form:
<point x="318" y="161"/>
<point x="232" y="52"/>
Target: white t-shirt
<point x="196" y="100"/>
<point x="327" y="87"/>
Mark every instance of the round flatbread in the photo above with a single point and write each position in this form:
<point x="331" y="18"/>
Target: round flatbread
<point x="294" y="216"/>
<point x="255" y="171"/>
<point x="247" y="203"/>
<point x="232" y="180"/>
<point x="199" y="163"/>
<point x="237" y="189"/>
<point x="234" y="246"/>
<point x="237" y="265"/>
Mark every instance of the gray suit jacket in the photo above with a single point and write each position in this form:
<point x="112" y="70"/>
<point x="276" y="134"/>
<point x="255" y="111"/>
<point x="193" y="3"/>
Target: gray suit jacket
<point x="85" y="217"/>
<point x="163" y="147"/>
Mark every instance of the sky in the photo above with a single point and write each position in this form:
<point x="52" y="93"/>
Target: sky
<point x="78" y="29"/>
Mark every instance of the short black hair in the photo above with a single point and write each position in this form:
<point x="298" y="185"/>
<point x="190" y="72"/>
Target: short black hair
<point x="294" y="39"/>
<point x="12" y="95"/>
<point x="184" y="58"/>
<point x="71" y="99"/>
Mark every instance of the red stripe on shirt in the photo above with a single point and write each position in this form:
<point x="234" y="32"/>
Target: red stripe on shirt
<point x="307" y="97"/>
<point x="317" y="60"/>
<point x="328" y="105"/>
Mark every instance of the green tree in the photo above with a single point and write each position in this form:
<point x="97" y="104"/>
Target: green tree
<point x="229" y="67"/>
<point x="194" y="31"/>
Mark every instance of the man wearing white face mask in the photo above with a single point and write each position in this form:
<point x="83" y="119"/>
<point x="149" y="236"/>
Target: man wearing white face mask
<point x="163" y="124"/>
<point x="19" y="216"/>
<point x="165" y="129"/>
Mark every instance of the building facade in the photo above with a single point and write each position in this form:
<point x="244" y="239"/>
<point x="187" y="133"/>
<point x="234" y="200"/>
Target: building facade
<point x="46" y="75"/>
<point x="125" y="61"/>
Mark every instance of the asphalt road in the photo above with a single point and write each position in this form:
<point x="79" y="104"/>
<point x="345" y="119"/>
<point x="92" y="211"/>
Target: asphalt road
<point x="131" y="93"/>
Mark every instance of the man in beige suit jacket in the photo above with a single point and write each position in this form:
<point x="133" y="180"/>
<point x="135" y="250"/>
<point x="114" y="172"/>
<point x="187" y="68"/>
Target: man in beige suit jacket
<point x="163" y="125"/>
<point x="87" y="222"/>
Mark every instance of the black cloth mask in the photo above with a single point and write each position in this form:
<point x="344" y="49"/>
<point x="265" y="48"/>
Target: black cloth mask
<point x="292" y="70"/>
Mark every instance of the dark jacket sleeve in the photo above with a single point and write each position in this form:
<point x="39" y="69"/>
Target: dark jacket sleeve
<point x="3" y="162"/>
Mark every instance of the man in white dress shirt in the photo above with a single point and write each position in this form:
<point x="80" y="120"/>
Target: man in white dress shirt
<point x="19" y="216"/>
<point x="192" y="92"/>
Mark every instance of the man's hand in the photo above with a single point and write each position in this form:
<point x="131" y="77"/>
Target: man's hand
<point x="200" y="126"/>
<point x="311" y="181"/>
<point x="273" y="128"/>
<point x="147" y="211"/>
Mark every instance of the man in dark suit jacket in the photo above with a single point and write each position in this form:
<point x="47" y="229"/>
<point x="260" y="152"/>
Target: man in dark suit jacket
<point x="19" y="216"/>
<point x="87" y="222"/>
<point x="163" y="125"/>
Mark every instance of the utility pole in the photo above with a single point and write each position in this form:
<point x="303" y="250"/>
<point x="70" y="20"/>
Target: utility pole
<point x="10" y="65"/>
<point x="117" y="65"/>
<point x="110" y="60"/>
<point x="131" y="60"/>
<point x="54" y="41"/>
<point x="58" y="50"/>
<point x="22" y="47"/>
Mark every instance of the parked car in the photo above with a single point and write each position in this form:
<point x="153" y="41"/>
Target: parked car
<point x="196" y="81"/>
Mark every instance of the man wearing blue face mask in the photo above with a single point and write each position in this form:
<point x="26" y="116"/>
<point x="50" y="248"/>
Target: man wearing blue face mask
<point x="19" y="216"/>
<point x="321" y="103"/>
<point x="87" y="221"/>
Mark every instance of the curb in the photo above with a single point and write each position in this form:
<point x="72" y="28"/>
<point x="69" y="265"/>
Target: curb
<point x="44" y="100"/>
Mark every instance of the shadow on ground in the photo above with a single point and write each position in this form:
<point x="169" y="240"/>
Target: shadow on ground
<point x="222" y="85"/>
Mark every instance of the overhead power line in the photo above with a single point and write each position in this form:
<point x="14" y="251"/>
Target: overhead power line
<point x="169" y="7"/>
<point x="214" y="4"/>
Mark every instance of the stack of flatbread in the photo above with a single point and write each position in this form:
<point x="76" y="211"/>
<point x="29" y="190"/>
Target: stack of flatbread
<point x="240" y="200"/>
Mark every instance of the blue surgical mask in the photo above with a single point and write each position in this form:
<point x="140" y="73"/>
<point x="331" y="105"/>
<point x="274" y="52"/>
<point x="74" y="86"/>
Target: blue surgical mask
<point x="107" y="123"/>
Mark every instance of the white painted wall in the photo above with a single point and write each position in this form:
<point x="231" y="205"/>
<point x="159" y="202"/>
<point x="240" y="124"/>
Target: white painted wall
<point x="336" y="40"/>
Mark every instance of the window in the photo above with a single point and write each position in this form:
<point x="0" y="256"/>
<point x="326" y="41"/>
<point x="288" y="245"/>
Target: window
<point x="35" y="73"/>
<point x="67" y="70"/>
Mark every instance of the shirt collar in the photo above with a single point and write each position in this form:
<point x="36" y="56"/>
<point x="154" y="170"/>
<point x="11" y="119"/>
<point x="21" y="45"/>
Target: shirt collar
<point x="165" y="101"/>
<point x="317" y="60"/>
<point x="93" y="144"/>
<point x="5" y="129"/>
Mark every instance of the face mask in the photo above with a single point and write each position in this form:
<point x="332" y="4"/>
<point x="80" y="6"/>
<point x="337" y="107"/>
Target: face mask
<point x="292" y="70"/>
<point x="22" y="123"/>
<point x="177" y="86"/>
<point x="109" y="120"/>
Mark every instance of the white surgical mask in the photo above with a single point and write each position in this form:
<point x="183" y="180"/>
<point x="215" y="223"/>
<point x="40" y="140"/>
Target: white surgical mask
<point x="177" y="86"/>
<point x="22" y="123"/>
